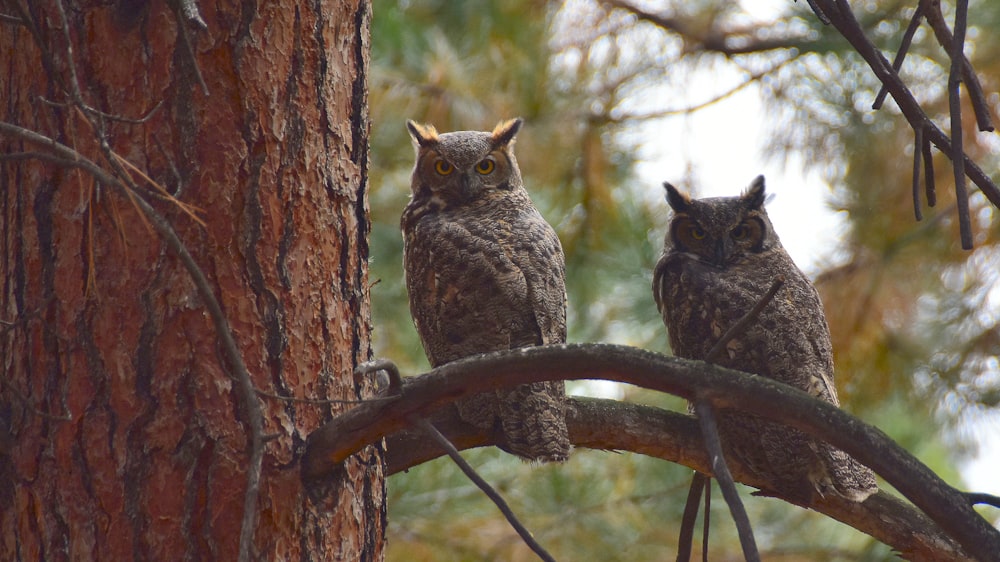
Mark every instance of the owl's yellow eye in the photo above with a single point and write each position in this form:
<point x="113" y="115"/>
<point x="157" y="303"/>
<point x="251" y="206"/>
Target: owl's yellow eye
<point x="740" y="232"/>
<point x="697" y="232"/>
<point x="486" y="166"/>
<point x="443" y="167"/>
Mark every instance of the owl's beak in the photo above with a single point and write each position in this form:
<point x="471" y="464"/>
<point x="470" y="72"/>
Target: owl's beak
<point x="465" y="186"/>
<point x="723" y="248"/>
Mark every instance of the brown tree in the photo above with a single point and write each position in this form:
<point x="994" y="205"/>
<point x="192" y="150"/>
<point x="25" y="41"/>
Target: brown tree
<point x="184" y="242"/>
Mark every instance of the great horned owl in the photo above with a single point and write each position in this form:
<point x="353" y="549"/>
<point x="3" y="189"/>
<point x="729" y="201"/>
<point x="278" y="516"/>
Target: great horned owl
<point x="720" y="256"/>
<point x="485" y="272"/>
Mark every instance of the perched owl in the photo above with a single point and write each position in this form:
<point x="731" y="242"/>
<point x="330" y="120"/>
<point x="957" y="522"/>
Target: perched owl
<point x="485" y="272"/>
<point x="720" y="256"/>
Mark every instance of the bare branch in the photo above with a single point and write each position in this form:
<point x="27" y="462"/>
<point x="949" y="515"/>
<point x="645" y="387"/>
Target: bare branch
<point x="109" y="116"/>
<point x="716" y="40"/>
<point x="187" y="11"/>
<point x="713" y="444"/>
<point x="699" y="483"/>
<point x="483" y="485"/>
<point x="955" y="108"/>
<point x="987" y="499"/>
<point x="610" y="425"/>
<point x="715" y="449"/>
<point x="841" y="17"/>
<point x="331" y="444"/>
<point x="918" y="151"/>
<point x="932" y="9"/>
<point x="741" y="325"/>
<point x="904" y="46"/>
<point x="929" y="190"/>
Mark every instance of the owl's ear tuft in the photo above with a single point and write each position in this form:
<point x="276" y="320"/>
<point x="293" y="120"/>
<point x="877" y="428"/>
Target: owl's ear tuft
<point x="678" y="200"/>
<point x="424" y="135"/>
<point x="503" y="133"/>
<point x="754" y="196"/>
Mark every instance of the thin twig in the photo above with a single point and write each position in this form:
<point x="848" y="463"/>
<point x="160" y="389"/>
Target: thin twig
<point x="753" y="78"/>
<point x="109" y="116"/>
<point x="483" y="485"/>
<point x="172" y="165"/>
<point x="376" y="365"/>
<point x="745" y="320"/>
<point x="190" y="10"/>
<point x="700" y="480"/>
<point x="904" y="46"/>
<point x="929" y="191"/>
<point x="706" y="521"/>
<point x="31" y="408"/>
<point x="981" y="108"/>
<point x="320" y="401"/>
<point x="181" y="14"/>
<point x="982" y="498"/>
<point x="955" y="108"/>
<point x="710" y="432"/>
<point x="918" y="151"/>
<point x="686" y="538"/>
<point x="70" y="63"/>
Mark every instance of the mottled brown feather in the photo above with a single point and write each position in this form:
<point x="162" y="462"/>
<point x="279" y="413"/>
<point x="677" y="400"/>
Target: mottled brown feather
<point x="485" y="272"/>
<point x="707" y="278"/>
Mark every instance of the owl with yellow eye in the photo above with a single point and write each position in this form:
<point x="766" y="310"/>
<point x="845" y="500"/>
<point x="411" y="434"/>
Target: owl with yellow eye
<point x="485" y="272"/>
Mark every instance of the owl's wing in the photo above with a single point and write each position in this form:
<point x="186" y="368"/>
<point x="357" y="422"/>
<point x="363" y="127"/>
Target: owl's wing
<point x="802" y="349"/>
<point x="539" y="256"/>
<point x="467" y="295"/>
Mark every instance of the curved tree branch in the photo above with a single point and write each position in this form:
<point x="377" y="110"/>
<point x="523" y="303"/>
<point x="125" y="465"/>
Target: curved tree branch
<point x="947" y="507"/>
<point x="610" y="425"/>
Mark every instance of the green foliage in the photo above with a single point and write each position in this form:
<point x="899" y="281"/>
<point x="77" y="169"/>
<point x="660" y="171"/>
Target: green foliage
<point x="908" y="310"/>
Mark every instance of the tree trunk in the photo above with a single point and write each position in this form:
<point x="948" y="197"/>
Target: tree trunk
<point x="123" y="433"/>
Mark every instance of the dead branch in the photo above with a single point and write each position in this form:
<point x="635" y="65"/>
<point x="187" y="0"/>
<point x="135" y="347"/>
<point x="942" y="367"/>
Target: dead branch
<point x="842" y="18"/>
<point x="750" y="40"/>
<point x="699" y="484"/>
<point x="720" y="469"/>
<point x="709" y="431"/>
<point x="932" y="11"/>
<point x="483" y="485"/>
<point x="620" y="426"/>
<point x="957" y="53"/>
<point x="331" y="444"/>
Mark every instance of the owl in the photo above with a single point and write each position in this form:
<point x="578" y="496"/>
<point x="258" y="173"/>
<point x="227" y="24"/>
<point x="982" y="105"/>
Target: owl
<point x="485" y="272"/>
<point x="720" y="256"/>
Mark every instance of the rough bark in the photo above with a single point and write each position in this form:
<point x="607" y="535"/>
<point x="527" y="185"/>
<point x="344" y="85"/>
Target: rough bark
<point x="122" y="432"/>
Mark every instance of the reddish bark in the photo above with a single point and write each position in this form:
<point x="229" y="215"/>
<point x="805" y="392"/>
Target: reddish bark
<point x="109" y="329"/>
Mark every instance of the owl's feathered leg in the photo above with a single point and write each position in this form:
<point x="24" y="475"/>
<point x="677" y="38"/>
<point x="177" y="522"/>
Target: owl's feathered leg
<point x="533" y="420"/>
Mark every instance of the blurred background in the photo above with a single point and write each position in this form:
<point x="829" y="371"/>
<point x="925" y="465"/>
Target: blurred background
<point x="705" y="94"/>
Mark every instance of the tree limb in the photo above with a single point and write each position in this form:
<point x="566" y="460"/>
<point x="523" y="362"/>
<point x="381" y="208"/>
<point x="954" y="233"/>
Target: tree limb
<point x="720" y="469"/>
<point x="331" y="444"/>
<point x="442" y="441"/>
<point x="715" y="40"/>
<point x="842" y="18"/>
